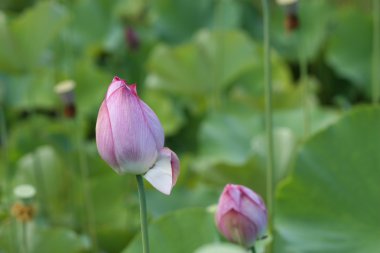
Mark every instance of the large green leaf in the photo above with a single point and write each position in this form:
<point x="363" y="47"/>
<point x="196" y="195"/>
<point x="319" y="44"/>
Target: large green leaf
<point x="331" y="200"/>
<point x="31" y="90"/>
<point x="58" y="240"/>
<point x="294" y="119"/>
<point x="227" y="14"/>
<point x="90" y="23"/>
<point x="180" y="232"/>
<point x="176" y="21"/>
<point x="226" y="136"/>
<point x="34" y="30"/>
<point x="200" y="70"/>
<point x="349" y="50"/>
<point x="216" y="63"/>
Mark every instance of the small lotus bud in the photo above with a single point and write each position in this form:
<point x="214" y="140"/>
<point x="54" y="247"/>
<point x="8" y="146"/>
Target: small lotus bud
<point x="291" y="22"/>
<point x="24" y="211"/>
<point x="241" y="215"/>
<point x="130" y="138"/>
<point x="132" y="38"/>
<point x="65" y="90"/>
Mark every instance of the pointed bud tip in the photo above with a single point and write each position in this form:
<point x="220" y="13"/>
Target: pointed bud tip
<point x="133" y="88"/>
<point x="116" y="79"/>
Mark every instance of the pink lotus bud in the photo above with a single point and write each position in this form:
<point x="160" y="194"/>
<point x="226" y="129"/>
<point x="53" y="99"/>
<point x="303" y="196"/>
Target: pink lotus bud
<point x="130" y="138"/>
<point x="241" y="215"/>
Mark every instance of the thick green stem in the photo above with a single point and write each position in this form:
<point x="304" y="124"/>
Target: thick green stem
<point x="268" y="108"/>
<point x="376" y="52"/>
<point x="253" y="250"/>
<point x="143" y="214"/>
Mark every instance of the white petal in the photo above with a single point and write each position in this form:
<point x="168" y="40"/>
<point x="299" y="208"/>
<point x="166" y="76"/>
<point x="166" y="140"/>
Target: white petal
<point x="160" y="175"/>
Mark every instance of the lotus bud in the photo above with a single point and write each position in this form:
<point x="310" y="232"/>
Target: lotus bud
<point x="132" y="38"/>
<point x="291" y="22"/>
<point x="24" y="211"/>
<point x="65" y="90"/>
<point x="241" y="215"/>
<point x="130" y="138"/>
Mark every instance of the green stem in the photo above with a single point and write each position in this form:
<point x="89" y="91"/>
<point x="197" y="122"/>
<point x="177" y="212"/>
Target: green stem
<point x="4" y="155"/>
<point x="39" y="174"/>
<point x="268" y="117"/>
<point x="143" y="214"/>
<point x="41" y="187"/>
<point x="268" y="108"/>
<point x="87" y="197"/>
<point x="6" y="175"/>
<point x="24" y="235"/>
<point x="253" y="250"/>
<point x="376" y="52"/>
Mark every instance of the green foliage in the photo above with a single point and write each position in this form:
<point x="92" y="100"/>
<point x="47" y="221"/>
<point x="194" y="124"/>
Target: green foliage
<point x="199" y="66"/>
<point x="24" y="46"/>
<point x="349" y="50"/>
<point x="308" y="39"/>
<point x="184" y="70"/>
<point x="57" y="240"/>
<point x="330" y="201"/>
<point x="180" y="232"/>
<point x="177" y="20"/>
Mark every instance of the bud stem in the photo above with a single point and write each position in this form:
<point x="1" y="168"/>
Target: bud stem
<point x="268" y="111"/>
<point x="143" y="214"/>
<point x="253" y="250"/>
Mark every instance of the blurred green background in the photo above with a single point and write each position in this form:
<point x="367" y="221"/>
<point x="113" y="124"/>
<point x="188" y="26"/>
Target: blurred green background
<point x="199" y="66"/>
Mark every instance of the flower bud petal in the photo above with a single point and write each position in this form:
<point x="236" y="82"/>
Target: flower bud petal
<point x="163" y="175"/>
<point x="115" y="84"/>
<point x="241" y="215"/>
<point x="133" y="133"/>
<point x="104" y="138"/>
